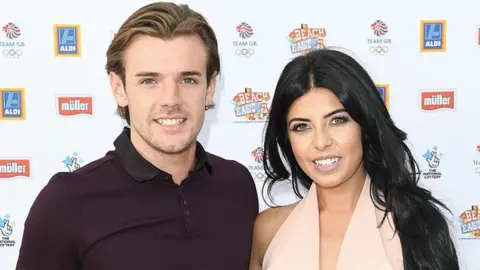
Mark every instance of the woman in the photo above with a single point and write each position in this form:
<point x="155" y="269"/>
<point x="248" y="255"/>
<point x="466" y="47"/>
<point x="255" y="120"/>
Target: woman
<point x="330" y="133"/>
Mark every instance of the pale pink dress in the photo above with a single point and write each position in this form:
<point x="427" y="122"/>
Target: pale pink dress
<point x="365" y="247"/>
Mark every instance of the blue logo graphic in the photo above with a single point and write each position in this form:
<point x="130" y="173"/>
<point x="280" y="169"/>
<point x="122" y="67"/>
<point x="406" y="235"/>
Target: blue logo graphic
<point x="67" y="36"/>
<point x="12" y="104"/>
<point x="384" y="91"/>
<point x="433" y="36"/>
<point x="73" y="162"/>
<point x="6" y="230"/>
<point x="433" y="157"/>
<point x="67" y="40"/>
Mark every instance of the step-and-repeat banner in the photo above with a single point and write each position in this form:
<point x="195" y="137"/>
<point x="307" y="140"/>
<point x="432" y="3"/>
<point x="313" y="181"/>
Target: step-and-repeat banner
<point x="58" y="113"/>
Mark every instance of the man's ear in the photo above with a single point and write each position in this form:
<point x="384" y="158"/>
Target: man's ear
<point x="118" y="90"/>
<point x="209" y="101"/>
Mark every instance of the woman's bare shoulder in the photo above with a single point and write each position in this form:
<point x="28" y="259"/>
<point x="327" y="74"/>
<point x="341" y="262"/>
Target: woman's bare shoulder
<point x="267" y="224"/>
<point x="272" y="218"/>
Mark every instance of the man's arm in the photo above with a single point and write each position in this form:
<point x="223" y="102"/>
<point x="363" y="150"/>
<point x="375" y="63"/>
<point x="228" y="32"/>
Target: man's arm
<point x="51" y="229"/>
<point x="251" y="190"/>
<point x="253" y="194"/>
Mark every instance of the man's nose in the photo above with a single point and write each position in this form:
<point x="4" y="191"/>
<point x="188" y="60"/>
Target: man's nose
<point x="170" y="94"/>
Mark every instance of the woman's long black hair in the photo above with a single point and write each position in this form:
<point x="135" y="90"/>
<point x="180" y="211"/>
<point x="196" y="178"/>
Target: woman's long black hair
<point x="423" y="230"/>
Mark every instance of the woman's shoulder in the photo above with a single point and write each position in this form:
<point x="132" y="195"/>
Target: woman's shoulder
<point x="267" y="224"/>
<point x="272" y="218"/>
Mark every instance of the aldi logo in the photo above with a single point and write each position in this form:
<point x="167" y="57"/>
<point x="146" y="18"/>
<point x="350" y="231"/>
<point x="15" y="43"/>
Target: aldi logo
<point x="433" y="36"/>
<point x="67" y="40"/>
<point x="384" y="91"/>
<point x="12" y="102"/>
<point x="433" y="100"/>
<point x="74" y="105"/>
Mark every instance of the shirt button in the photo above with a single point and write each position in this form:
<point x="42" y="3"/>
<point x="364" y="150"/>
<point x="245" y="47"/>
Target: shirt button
<point x="184" y="202"/>
<point x="187" y="213"/>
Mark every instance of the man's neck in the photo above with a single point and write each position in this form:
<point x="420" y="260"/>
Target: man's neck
<point x="177" y="165"/>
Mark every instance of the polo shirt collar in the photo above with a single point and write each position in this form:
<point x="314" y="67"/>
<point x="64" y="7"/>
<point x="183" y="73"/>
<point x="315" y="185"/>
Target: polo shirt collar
<point x="141" y="169"/>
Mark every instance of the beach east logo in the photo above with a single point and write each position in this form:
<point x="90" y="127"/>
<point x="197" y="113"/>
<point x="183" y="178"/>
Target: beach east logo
<point x="305" y="39"/>
<point x="470" y="223"/>
<point x="251" y="107"/>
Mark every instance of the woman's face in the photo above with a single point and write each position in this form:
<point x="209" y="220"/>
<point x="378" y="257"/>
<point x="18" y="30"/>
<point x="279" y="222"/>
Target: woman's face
<point x="325" y="140"/>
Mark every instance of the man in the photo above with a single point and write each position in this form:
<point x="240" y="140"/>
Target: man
<point x="159" y="201"/>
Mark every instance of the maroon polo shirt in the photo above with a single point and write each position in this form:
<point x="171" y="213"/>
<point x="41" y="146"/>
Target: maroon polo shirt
<point x="122" y="213"/>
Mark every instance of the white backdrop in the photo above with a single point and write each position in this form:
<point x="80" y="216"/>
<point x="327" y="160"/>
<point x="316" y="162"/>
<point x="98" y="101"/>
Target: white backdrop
<point x="40" y="133"/>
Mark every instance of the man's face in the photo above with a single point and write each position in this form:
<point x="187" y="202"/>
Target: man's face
<point x="166" y="91"/>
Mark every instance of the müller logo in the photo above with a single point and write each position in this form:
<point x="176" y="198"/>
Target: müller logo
<point x="432" y="100"/>
<point x="74" y="105"/>
<point x="10" y="168"/>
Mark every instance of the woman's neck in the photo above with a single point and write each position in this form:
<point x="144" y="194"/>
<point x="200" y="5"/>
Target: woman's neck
<point x="341" y="199"/>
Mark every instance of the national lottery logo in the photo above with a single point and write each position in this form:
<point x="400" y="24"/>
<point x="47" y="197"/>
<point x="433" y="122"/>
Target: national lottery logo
<point x="379" y="42"/>
<point x="433" y="36"/>
<point x="433" y="157"/>
<point x="256" y="169"/>
<point x="470" y="223"/>
<point x="305" y="39"/>
<point x="67" y="40"/>
<point x="13" y="46"/>
<point x="7" y="229"/>
<point x="245" y="44"/>
<point x="251" y="107"/>
<point x="384" y="91"/>
<point x="12" y="103"/>
<point x="73" y="162"/>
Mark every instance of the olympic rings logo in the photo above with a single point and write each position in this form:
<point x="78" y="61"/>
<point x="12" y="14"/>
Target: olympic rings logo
<point x="13" y="53"/>
<point x="247" y="53"/>
<point x="260" y="176"/>
<point x="379" y="50"/>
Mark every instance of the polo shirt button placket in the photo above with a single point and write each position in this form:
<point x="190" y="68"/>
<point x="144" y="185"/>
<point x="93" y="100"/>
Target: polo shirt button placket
<point x="186" y="212"/>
